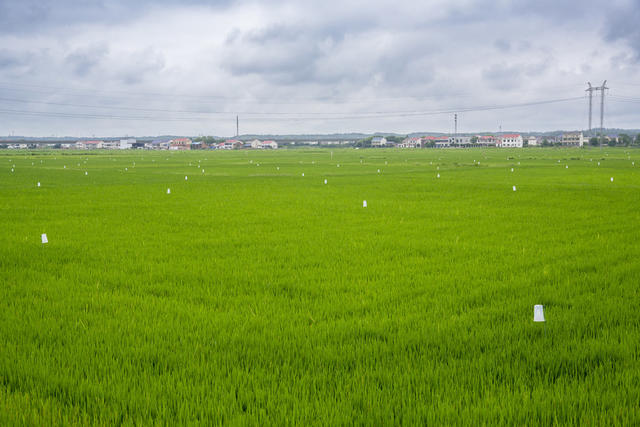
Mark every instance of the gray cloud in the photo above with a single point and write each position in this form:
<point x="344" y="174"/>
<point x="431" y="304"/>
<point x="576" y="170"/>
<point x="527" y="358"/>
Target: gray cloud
<point x="624" y="25"/>
<point x="83" y="60"/>
<point x="27" y="16"/>
<point x="284" y="56"/>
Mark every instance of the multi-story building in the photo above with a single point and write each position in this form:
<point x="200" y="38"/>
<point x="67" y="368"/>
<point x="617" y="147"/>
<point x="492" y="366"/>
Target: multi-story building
<point x="510" y="140"/>
<point x="379" y="141"/>
<point x="442" y="142"/>
<point x="180" y="144"/>
<point x="412" y="142"/>
<point x="459" y="141"/>
<point x="575" y="139"/>
<point x="487" y="140"/>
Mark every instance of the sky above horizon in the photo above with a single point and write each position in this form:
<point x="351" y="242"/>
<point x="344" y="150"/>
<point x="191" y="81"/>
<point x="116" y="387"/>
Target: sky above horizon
<point x="169" y="67"/>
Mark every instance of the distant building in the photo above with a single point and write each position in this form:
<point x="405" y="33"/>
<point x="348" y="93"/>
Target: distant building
<point x="270" y="144"/>
<point x="487" y="140"/>
<point x="575" y="139"/>
<point x="126" y="144"/>
<point x="460" y="141"/>
<point x="231" y="144"/>
<point x="510" y="140"/>
<point x="111" y="145"/>
<point x="89" y="145"/>
<point x="180" y="144"/>
<point x="532" y="141"/>
<point x="442" y="142"/>
<point x="412" y="142"/>
<point x="379" y="141"/>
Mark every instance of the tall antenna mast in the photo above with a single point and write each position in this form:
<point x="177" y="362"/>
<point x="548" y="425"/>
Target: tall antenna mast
<point x="237" y="127"/>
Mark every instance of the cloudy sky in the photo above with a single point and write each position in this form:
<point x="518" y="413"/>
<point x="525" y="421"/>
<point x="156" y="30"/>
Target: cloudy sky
<point x="120" y="67"/>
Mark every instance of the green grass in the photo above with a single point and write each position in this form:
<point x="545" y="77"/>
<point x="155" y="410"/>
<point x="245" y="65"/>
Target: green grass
<point x="252" y="295"/>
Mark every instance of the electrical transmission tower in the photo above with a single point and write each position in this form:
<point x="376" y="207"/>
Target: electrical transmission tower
<point x="602" y="89"/>
<point x="591" y="89"/>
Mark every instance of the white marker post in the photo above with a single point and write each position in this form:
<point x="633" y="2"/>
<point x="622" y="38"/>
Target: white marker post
<point x="302" y="173"/>
<point x="538" y="313"/>
<point x="438" y="176"/>
<point x="514" y="188"/>
<point x="511" y="169"/>
<point x="611" y="179"/>
<point x="86" y="173"/>
<point x="168" y="191"/>
<point x="38" y="184"/>
<point x="186" y="177"/>
<point x="43" y="237"/>
<point x="364" y="203"/>
<point x="325" y="181"/>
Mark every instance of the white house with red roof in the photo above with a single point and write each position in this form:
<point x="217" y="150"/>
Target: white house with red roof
<point x="487" y="140"/>
<point x="270" y="144"/>
<point x="89" y="145"/>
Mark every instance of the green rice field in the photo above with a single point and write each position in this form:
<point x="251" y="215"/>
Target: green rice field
<point x="254" y="295"/>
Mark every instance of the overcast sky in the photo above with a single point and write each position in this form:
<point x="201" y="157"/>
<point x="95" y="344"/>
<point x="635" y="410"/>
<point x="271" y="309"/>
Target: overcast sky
<point x="121" y="67"/>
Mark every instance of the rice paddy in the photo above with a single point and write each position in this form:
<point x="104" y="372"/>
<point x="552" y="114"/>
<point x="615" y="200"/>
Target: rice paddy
<point x="312" y="287"/>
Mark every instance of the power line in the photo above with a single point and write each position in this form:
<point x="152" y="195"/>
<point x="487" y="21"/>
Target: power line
<point x="341" y="116"/>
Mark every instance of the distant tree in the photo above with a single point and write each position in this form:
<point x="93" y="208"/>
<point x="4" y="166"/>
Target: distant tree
<point x="624" y="139"/>
<point x="546" y="143"/>
<point x="637" y="141"/>
<point x="593" y="141"/>
<point x="611" y="142"/>
<point x="395" y="139"/>
<point x="366" y="142"/>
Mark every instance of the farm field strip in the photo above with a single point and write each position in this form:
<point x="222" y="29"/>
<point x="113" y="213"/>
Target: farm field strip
<point x="252" y="294"/>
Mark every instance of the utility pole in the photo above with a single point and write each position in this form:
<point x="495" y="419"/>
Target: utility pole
<point x="455" y="128"/>
<point x="237" y="127"/>
<point x="602" y="89"/>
